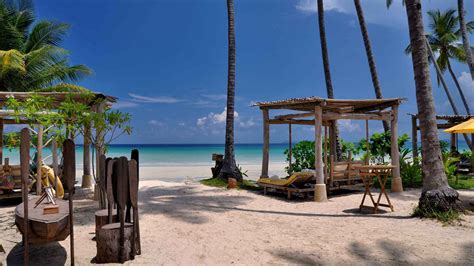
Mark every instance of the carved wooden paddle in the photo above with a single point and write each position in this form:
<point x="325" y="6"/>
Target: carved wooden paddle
<point x="109" y="188"/>
<point x="135" y="156"/>
<point x="25" y="172"/>
<point x="121" y="171"/>
<point x="69" y="155"/>
<point x="133" y="184"/>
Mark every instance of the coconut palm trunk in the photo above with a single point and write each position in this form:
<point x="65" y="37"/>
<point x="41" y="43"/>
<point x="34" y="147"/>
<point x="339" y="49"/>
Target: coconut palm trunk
<point x="229" y="167"/>
<point x="327" y="70"/>
<point x="370" y="56"/>
<point x="465" y="39"/>
<point x="436" y="194"/>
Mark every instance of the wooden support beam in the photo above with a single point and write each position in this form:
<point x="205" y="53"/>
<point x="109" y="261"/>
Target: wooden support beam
<point x="367" y="142"/>
<point x="397" y="185"/>
<point x="289" y="116"/>
<point x="320" y="193"/>
<point x="39" y="159"/>
<point x="266" y="143"/>
<point x="414" y="136"/>
<point x="326" y="172"/>
<point x="357" y="116"/>
<point x="290" y="148"/>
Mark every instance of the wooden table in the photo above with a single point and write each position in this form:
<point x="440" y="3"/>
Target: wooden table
<point x="381" y="172"/>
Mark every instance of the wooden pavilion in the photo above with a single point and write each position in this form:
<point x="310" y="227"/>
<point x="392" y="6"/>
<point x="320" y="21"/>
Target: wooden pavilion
<point x="8" y="117"/>
<point x="319" y="112"/>
<point x="443" y="122"/>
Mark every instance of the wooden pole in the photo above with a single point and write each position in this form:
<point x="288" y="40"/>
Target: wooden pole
<point x="87" y="177"/>
<point x="69" y="155"/>
<point x="266" y="143"/>
<point x="39" y="159"/>
<point x="397" y="185"/>
<point x="100" y="150"/>
<point x="54" y="152"/>
<point x="325" y="154"/>
<point x="320" y="194"/>
<point x="414" y="136"/>
<point x="1" y="139"/>
<point x="25" y="172"/>
<point x="367" y="143"/>
<point x="290" y="147"/>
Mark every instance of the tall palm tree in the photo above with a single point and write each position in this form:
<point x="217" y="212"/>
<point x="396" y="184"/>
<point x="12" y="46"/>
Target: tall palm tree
<point x="229" y="167"/>
<point x="436" y="195"/>
<point x="327" y="70"/>
<point x="370" y="56"/>
<point x="36" y="45"/>
<point x="444" y="40"/>
<point x="465" y="39"/>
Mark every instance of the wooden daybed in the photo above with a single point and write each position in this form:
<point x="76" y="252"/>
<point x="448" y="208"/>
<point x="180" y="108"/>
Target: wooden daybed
<point x="298" y="182"/>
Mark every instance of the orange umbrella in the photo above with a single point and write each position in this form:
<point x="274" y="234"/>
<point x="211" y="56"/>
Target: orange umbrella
<point x="464" y="127"/>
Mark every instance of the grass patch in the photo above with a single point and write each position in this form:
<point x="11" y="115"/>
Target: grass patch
<point x="220" y="182"/>
<point x="447" y="217"/>
<point x="463" y="182"/>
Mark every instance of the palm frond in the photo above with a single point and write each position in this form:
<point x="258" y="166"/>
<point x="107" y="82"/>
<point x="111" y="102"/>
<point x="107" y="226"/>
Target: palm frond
<point x="11" y="60"/>
<point x="45" y="33"/>
<point x="64" y="87"/>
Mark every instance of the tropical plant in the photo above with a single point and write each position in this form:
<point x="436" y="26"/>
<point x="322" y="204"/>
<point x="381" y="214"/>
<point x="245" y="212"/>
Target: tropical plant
<point x="229" y="166"/>
<point x="444" y="39"/>
<point x="370" y="56"/>
<point x="30" y="56"/>
<point x="465" y="39"/>
<point x="411" y="173"/>
<point x="303" y="154"/>
<point x="327" y="70"/>
<point x="380" y="146"/>
<point x="436" y="194"/>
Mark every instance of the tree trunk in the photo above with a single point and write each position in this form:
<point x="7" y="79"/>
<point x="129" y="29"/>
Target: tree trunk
<point x="327" y="70"/>
<point x="436" y="193"/>
<point x="465" y="39"/>
<point x="370" y="56"/>
<point x="229" y="167"/>
<point x="455" y="79"/>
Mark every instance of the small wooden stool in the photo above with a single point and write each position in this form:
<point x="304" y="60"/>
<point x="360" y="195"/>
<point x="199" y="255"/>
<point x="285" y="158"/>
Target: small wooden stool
<point x="108" y="247"/>
<point x="102" y="218"/>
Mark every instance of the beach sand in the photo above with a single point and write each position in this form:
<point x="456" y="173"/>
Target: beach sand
<point x="185" y="223"/>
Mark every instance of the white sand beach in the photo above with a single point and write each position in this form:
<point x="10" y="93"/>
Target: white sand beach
<point x="186" y="223"/>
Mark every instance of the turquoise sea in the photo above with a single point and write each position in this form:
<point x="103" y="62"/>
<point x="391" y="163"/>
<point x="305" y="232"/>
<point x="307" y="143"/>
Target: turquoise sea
<point x="184" y="154"/>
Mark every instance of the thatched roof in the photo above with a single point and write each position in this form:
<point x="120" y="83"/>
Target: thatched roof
<point x="308" y="104"/>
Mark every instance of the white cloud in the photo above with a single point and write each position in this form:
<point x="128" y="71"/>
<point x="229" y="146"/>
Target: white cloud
<point x="215" y="97"/>
<point x="124" y="104"/>
<point x="348" y="126"/>
<point x="213" y="118"/>
<point x="247" y="124"/>
<point x="157" y="99"/>
<point x="467" y="86"/>
<point x="155" y="123"/>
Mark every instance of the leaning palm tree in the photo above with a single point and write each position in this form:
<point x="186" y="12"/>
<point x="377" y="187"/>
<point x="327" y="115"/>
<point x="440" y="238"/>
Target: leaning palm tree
<point x="370" y="56"/>
<point x="465" y="39"/>
<point x="44" y="63"/>
<point x="444" y="40"/>
<point x="229" y="167"/>
<point x="436" y="195"/>
<point x="327" y="70"/>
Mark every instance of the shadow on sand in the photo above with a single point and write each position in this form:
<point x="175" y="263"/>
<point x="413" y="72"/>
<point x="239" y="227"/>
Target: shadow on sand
<point x="48" y="254"/>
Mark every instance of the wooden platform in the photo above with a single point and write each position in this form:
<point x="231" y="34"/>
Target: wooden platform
<point x="44" y="228"/>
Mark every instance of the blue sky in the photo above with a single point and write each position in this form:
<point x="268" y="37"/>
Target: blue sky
<point x="166" y="60"/>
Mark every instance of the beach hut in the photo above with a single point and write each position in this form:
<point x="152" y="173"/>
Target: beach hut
<point x="320" y="112"/>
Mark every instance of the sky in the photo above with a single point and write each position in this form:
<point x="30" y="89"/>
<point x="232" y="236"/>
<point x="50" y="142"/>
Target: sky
<point x="166" y="61"/>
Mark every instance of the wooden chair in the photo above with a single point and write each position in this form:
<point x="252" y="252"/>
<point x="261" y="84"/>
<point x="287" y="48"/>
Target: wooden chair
<point x="344" y="172"/>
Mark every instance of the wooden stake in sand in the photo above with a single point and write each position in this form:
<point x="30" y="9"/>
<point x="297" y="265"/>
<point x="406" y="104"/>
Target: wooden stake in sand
<point x="135" y="156"/>
<point x="25" y="172"/>
<point x="69" y="155"/>
<point x="121" y="170"/>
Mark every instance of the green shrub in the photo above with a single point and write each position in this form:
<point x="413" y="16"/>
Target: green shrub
<point x="303" y="156"/>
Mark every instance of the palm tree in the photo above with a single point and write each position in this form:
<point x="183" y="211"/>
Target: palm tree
<point x="43" y="62"/>
<point x="229" y="167"/>
<point x="465" y="39"/>
<point x="370" y="56"/>
<point x="444" y="40"/>
<point x="436" y="195"/>
<point x="327" y="70"/>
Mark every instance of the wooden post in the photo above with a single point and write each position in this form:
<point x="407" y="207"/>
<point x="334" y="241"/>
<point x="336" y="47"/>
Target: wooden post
<point x="39" y="159"/>
<point x="320" y="194"/>
<point x="69" y="170"/>
<point x="1" y="140"/>
<point x="452" y="142"/>
<point x="325" y="154"/>
<point x="290" y="147"/>
<point x="25" y="172"/>
<point x="87" y="177"/>
<point x="54" y="152"/>
<point x="100" y="150"/>
<point x="266" y="143"/>
<point x="414" y="136"/>
<point x="367" y="142"/>
<point x="397" y="185"/>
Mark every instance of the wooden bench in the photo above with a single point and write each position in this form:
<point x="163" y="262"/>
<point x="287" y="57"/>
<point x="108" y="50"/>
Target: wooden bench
<point x="344" y="173"/>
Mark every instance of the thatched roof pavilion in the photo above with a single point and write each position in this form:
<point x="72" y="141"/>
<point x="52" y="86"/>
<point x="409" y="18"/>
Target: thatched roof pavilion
<point x="319" y="112"/>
